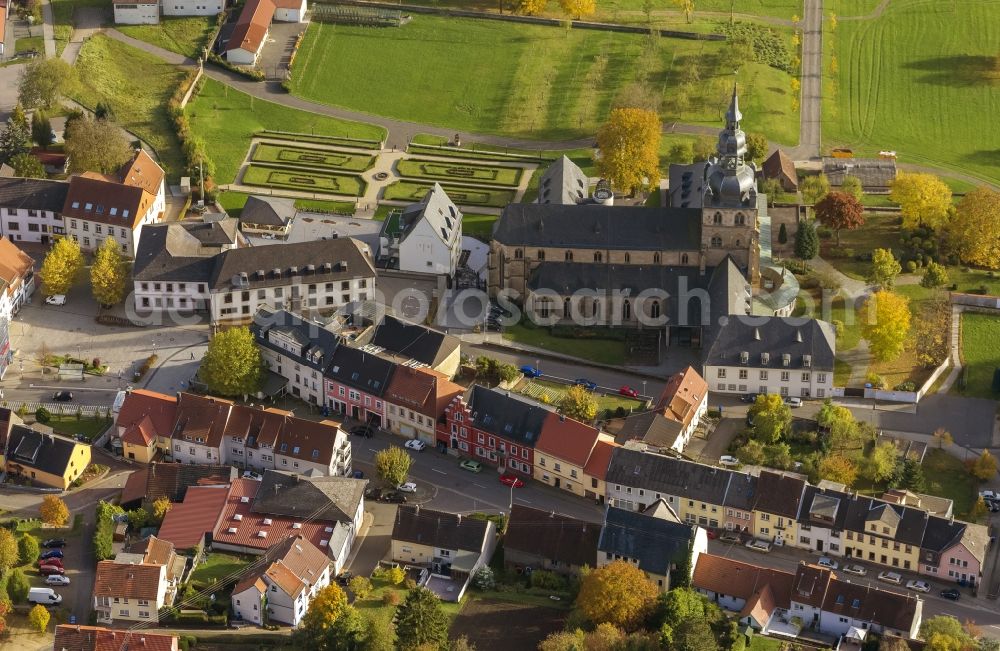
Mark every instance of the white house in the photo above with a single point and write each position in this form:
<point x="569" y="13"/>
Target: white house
<point x="137" y="12"/>
<point x="783" y="355"/>
<point x="31" y="209"/>
<point x="675" y="417"/>
<point x="191" y="7"/>
<point x="17" y="278"/>
<point x="426" y="237"/>
<point x="290" y="11"/>
<point x="129" y="592"/>
<point x="298" y="350"/>
<point x="281" y="593"/>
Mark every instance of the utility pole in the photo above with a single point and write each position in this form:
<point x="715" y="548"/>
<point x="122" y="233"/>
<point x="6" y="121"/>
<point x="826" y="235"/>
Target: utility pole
<point x="201" y="176"/>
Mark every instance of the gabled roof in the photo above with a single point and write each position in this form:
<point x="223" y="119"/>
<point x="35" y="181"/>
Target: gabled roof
<point x="267" y="211"/>
<point x="567" y="439"/>
<point x="741" y="492"/>
<point x="600" y="458"/>
<point x="201" y="419"/>
<point x="360" y="370"/>
<point x="172" y="480"/>
<point x="684" y="393"/>
<point x="44" y="452"/>
<point x="776" y="336"/>
<point x="155" y="551"/>
<point x="779" y="494"/>
<point x="668" y="475"/>
<point x="142" y="172"/>
<point x="33" y="194"/>
<point x="414" y="341"/>
<point x="157" y="411"/>
<point x="451" y="531"/>
<point x="184" y="251"/>
<point x="438" y="211"/>
<point x="127" y="581"/>
<point x="552" y="536"/>
<point x="330" y="261"/>
<point x="422" y="390"/>
<point x="321" y="498"/>
<point x="743" y="580"/>
<point x="563" y="182"/>
<point x="505" y="416"/>
<point x="284" y="578"/>
<point x="187" y="523"/>
<point x="780" y="164"/>
<point x="317" y="342"/>
<point x="140" y="433"/>
<point x="811" y="584"/>
<point x="911" y="522"/>
<point x="824" y="506"/>
<point x="650" y="427"/>
<point x="96" y="198"/>
<point x="657" y="543"/>
<point x="888" y="608"/>
<point x="252" y="26"/>
<point x="74" y="637"/>
<point x="14" y="263"/>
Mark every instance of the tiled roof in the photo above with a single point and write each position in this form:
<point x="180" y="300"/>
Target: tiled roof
<point x="33" y="194"/>
<point x="742" y="491"/>
<point x="251" y="580"/>
<point x="285" y="579"/>
<point x="127" y="581"/>
<point x="186" y="523"/>
<point x="155" y="551"/>
<point x="142" y="172"/>
<point x="302" y="557"/>
<point x="650" y="427"/>
<point x="684" y="392"/>
<point x="567" y="439"/>
<point x="869" y="603"/>
<point x="552" y="536"/>
<point x="413" y="389"/>
<point x="74" y="637"/>
<point x="252" y="26"/>
<point x="439" y="529"/>
<point x="780" y="163"/>
<point x="779" y="494"/>
<point x="811" y="584"/>
<point x="141" y="432"/>
<point x="201" y="420"/>
<point x="106" y="201"/>
<point x="14" y="263"/>
<point x="171" y="480"/>
<point x="655" y="542"/>
<point x="600" y="458"/>
<point x="299" y="438"/>
<point x="743" y="580"/>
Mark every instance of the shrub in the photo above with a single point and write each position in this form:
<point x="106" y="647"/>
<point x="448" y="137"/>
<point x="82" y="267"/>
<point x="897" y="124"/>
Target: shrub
<point x="838" y="327"/>
<point x="547" y="580"/>
<point x="911" y="266"/>
<point x="484" y="578"/>
<point x="27" y="548"/>
<point x="906" y="386"/>
<point x="875" y="380"/>
<point x="18" y="586"/>
<point x="360" y="586"/>
<point x="43" y="415"/>
<point x="768" y="46"/>
<point x="391" y="598"/>
<point x="395" y="575"/>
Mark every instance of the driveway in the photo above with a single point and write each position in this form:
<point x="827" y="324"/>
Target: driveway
<point x="278" y="49"/>
<point x="9" y="77"/>
<point x="810" y="117"/>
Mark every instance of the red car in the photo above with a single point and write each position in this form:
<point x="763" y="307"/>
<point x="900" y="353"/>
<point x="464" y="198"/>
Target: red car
<point x="49" y="570"/>
<point x="57" y="562"/>
<point x="711" y="533"/>
<point x="628" y="391"/>
<point x="511" y="480"/>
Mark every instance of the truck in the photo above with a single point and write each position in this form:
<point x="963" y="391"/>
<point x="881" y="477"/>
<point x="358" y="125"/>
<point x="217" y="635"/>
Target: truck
<point x="44" y="596"/>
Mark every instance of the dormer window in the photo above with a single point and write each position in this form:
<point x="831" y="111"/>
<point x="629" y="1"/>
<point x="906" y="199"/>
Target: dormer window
<point x="744" y="357"/>
<point x="786" y="360"/>
<point x="88" y="206"/>
<point x="765" y="358"/>
<point x="807" y="360"/>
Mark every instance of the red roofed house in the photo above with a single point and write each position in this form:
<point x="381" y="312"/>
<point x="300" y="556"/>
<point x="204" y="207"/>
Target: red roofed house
<point x="597" y="469"/>
<point x="187" y="523"/>
<point x="145" y="422"/>
<point x="562" y="453"/>
<point x="250" y="33"/>
<point x="415" y="400"/>
<point x="17" y="284"/>
<point x="684" y="401"/>
<point x="129" y="592"/>
<point x="74" y="637"/>
<point x="281" y="592"/>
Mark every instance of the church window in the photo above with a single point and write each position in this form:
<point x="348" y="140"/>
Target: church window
<point x="741" y="219"/>
<point x="626" y="310"/>
<point x="717" y="219"/>
<point x="567" y="308"/>
<point x="569" y="256"/>
<point x="654" y="310"/>
<point x="597" y="256"/>
<point x="518" y="254"/>
<point x="684" y="258"/>
<point x="737" y="243"/>
<point x="595" y="306"/>
<point x="541" y="254"/>
<point x="656" y="258"/>
<point x="716" y="241"/>
<point x="628" y="258"/>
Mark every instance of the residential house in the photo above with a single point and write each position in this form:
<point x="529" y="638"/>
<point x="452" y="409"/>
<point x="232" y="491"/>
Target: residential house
<point x="136" y="12"/>
<point x="447" y="544"/>
<point x="172" y="481"/>
<point x="31" y="209"/>
<point x="596" y="470"/>
<point x="494" y="427"/>
<point x="654" y="539"/>
<point x="126" y="592"/>
<point x="191" y="7"/>
<point x="298" y="350"/>
<point x="198" y="431"/>
<point x="760" y="596"/>
<point x="189" y="524"/>
<point x="45" y="459"/>
<point x="545" y="540"/>
<point x="424" y="237"/>
<point x="17" y="273"/>
<point x="562" y="452"/>
<point x="954" y="549"/>
<point x="75" y="637"/>
<point x="416" y="398"/>
<point x="822" y="519"/>
<point x="156" y="551"/>
<point x="563" y="183"/>
<point x="267" y="216"/>
<point x="144" y="424"/>
<point x="781" y="167"/>
<point x="675" y="417"/>
<point x="356" y="382"/>
<point x="282" y="591"/>
<point x="252" y="27"/>
<point x="115" y="206"/>
<point x="884" y="533"/>
<point x="776" y="510"/>
<point x="933" y="504"/>
<point x="787" y="355"/>
<point x="174" y="263"/>
<point x="412" y="344"/>
<point x="741" y="496"/>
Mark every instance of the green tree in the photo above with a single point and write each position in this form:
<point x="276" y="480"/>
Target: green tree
<point x="630" y="149"/>
<point x="18" y="585"/>
<point x="54" y="511"/>
<point x="839" y="211"/>
<point x="39" y="618"/>
<point x="44" y="81"/>
<point x="420" y="620"/>
<point x="15" y="139"/>
<point x="138" y="518"/>
<point x="694" y="635"/>
<point x="104" y="111"/>
<point x="830" y="414"/>
<point x="392" y="465"/>
<point x="686" y="7"/>
<point x="949" y="632"/>
<point x="885" y="323"/>
<point x="232" y="363"/>
<point x="806" y="241"/>
<point x="704" y="148"/>
<point x="108" y="274"/>
<point x="751" y="453"/>
<point x="924" y="199"/>
<point x="852" y="186"/>
<point x="772" y="188"/>
<point x="882" y="462"/>
<point x="43" y="415"/>
<point x="913" y="476"/>
<point x="27" y="548"/>
<point x="579" y="404"/>
<point x="318" y="626"/>
<point x="41" y="129"/>
<point x="677" y="606"/>
<point x="779" y="455"/>
<point x="9" y="555"/>
<point x="771" y="418"/>
<point x="379" y="637"/>
<point x="61" y="265"/>
<point x="934" y="276"/>
<point x="984" y="468"/>
<point x="27" y="166"/>
<point x="885" y="268"/>
<point x="756" y="146"/>
<point x="360" y="586"/>
<point x="96" y="146"/>
<point x="814" y="188"/>
<point x="681" y="153"/>
<point x="618" y="593"/>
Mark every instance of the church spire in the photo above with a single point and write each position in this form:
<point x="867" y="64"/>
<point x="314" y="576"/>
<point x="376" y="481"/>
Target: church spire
<point x="733" y="115"/>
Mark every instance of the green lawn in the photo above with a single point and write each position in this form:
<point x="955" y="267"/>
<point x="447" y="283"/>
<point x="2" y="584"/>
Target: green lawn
<point x="226" y="119"/>
<point x="841" y="373"/>
<point x="309" y="157"/>
<point x="70" y="425"/>
<point x="761" y="643"/>
<point x="604" y="351"/>
<point x="549" y="83"/>
<point x="918" y="80"/>
<point x="632" y="10"/>
<point x="480" y="226"/>
<point x="374" y="609"/>
<point x="62" y="18"/>
<point x="980" y="353"/>
<point x="438" y="170"/>
<point x="463" y="196"/>
<point x="137" y="85"/>
<point x="36" y="43"/>
<point x="303" y="180"/>
<point x="233" y="202"/>
<point x="187" y="35"/>
<point x="554" y="392"/>
<point x="218" y="566"/>
<point x="946" y="476"/>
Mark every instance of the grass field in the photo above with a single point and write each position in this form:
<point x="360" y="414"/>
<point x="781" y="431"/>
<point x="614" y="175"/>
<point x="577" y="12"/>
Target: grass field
<point x="549" y="83"/>
<point x="413" y="192"/>
<point x="219" y="565"/>
<point x="479" y="226"/>
<point x="308" y="157"/>
<point x="554" y="391"/>
<point x="71" y="425"/>
<point x="918" y="80"/>
<point x="36" y="43"/>
<point x="459" y="172"/>
<point x="946" y="476"/>
<point x="303" y="180"/>
<point x="187" y="35"/>
<point x="604" y="351"/>
<point x="226" y="119"/>
<point x="62" y="18"/>
<point x="980" y="353"/>
<point x="137" y="85"/>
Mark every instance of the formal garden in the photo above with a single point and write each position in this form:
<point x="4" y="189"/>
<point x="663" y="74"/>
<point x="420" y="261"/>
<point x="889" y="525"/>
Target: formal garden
<point x="412" y="191"/>
<point x="290" y="156"/>
<point x="303" y="180"/>
<point x="439" y="170"/>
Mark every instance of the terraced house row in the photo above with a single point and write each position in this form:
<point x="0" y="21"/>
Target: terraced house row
<point x="896" y="531"/>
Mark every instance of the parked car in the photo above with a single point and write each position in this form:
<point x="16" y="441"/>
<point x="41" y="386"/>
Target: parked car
<point x="530" y="371"/>
<point x="585" y="383"/>
<point x="628" y="391"/>
<point x="50" y="561"/>
<point x="728" y="460"/>
<point x="792" y="401"/>
<point x="494" y="327"/>
<point x="52" y="553"/>
<point x="827" y="562"/>
<point x="855" y="569"/>
<point x="730" y="537"/>
<point x="62" y="396"/>
<point x="759" y="546"/>
<point x="48" y="570"/>
<point x="470" y="465"/>
<point x="250" y="474"/>
<point x="416" y="444"/>
<point x="358" y="474"/>
<point x="54" y="542"/>
<point x="918" y="586"/>
<point x="748" y="398"/>
<point x="363" y="430"/>
<point x="891" y="577"/>
<point x="711" y="534"/>
<point x="56" y="299"/>
<point x="393" y="497"/>
<point x="989" y="495"/>
<point x="57" y="579"/>
<point x="44" y="596"/>
<point x="407" y="487"/>
<point x="511" y="480"/>
<point x="951" y="593"/>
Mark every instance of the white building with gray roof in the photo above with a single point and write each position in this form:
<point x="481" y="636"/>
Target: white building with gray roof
<point x="425" y="237"/>
<point x="563" y="182"/>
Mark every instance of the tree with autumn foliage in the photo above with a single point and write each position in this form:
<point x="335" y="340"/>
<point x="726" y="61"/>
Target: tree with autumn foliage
<point x="578" y="9"/>
<point x="984" y="467"/>
<point x="840" y="211"/>
<point x="973" y="233"/>
<point x="838" y="468"/>
<point x="630" y="149"/>
<point x="885" y="323"/>
<point x="54" y="511"/>
<point x="885" y="268"/>
<point x="330" y="624"/>
<point x="686" y="7"/>
<point x="531" y="7"/>
<point x="924" y="199"/>
<point x="618" y="593"/>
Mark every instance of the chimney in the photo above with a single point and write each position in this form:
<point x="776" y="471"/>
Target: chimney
<point x="459" y="518"/>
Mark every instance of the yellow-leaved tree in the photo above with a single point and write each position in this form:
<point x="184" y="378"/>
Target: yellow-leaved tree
<point x="618" y="593"/>
<point x="531" y="7"/>
<point x="108" y="274"/>
<point x="61" y="265"/>
<point x="974" y="232"/>
<point x="578" y="9"/>
<point x="924" y="199"/>
<point x="838" y="468"/>
<point x="630" y="149"/>
<point x="885" y="323"/>
<point x="53" y="511"/>
<point x="687" y="7"/>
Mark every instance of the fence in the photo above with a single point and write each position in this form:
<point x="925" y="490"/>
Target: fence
<point x="60" y="408"/>
<point x="194" y="83"/>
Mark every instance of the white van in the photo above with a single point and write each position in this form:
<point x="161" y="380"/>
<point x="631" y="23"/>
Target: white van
<point x="44" y="596"/>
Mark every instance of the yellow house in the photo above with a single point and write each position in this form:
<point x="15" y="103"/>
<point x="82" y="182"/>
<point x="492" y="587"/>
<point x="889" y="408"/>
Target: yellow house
<point x="144" y="424"/>
<point x="562" y="452"/>
<point x="886" y="540"/>
<point x="596" y="470"/>
<point x="777" y="509"/>
<point x="444" y="542"/>
<point x="45" y="459"/>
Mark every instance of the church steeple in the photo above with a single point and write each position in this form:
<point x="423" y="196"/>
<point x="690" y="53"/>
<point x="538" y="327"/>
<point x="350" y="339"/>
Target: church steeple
<point x="731" y="180"/>
<point x="732" y="147"/>
<point x="733" y="115"/>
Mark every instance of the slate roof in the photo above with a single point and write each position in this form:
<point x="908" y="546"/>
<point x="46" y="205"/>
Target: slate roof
<point x="345" y="259"/>
<point x="426" y="345"/>
<point x="909" y="531"/>
<point x="563" y="182"/>
<point x="650" y="427"/>
<point x="323" y="498"/>
<point x="505" y="416"/>
<point x="313" y="337"/>
<point x="183" y="251"/>
<point x="267" y="211"/>
<point x="44" y="452"/>
<point x="862" y="601"/>
<point x="439" y="529"/>
<point x="741" y="492"/>
<point x="668" y="475"/>
<point x="779" y="494"/>
<point x="438" y="210"/>
<point x="595" y="226"/>
<point x="810" y="584"/>
<point x="363" y="371"/>
<point x="552" y="536"/>
<point x="824" y="507"/>
<point x="655" y="542"/>
<point x="776" y="336"/>
<point x="33" y="194"/>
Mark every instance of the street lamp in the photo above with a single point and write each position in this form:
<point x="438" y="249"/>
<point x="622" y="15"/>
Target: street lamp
<point x="643" y="388"/>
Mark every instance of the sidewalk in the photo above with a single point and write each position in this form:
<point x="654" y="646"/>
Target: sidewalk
<point x="48" y="33"/>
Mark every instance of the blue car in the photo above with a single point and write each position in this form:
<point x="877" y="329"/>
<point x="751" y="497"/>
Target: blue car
<point x="585" y="383"/>
<point x="357" y="474"/>
<point x="52" y="553"/>
<point x="530" y="371"/>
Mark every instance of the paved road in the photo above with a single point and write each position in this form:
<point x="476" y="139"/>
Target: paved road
<point x="810" y="115"/>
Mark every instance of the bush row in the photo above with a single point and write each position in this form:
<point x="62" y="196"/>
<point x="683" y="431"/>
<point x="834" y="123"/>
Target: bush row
<point x="253" y="74"/>
<point x="193" y="147"/>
